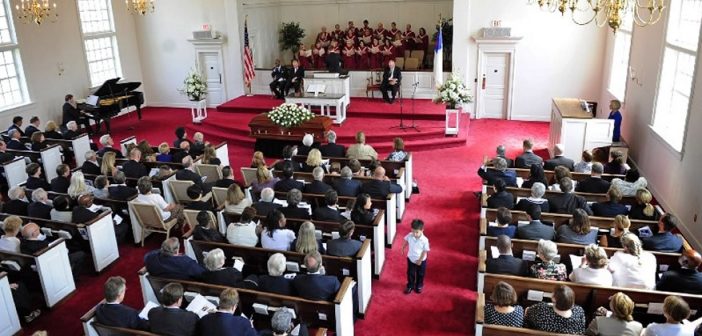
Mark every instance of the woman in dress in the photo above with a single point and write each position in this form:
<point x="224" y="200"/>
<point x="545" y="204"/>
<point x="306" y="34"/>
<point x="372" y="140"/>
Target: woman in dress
<point x="578" y="230"/>
<point x="547" y="269"/>
<point x="398" y="150"/>
<point x="619" y="323"/>
<point x="561" y="316"/>
<point x="503" y="308"/>
<point x="388" y="52"/>
<point x="676" y="312"/>
<point x="593" y="270"/>
<point x="362" y="60"/>
<point x="362" y="213"/>
<point x="264" y="179"/>
<point x="422" y="40"/>
<point x="376" y="58"/>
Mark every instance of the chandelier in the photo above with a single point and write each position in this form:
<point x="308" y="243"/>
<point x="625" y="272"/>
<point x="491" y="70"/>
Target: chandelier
<point x="141" y="7"/>
<point x="35" y="11"/>
<point x="607" y="12"/>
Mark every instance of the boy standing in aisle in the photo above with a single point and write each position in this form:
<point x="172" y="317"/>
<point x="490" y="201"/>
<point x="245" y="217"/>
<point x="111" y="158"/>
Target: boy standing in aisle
<point x="418" y="245"/>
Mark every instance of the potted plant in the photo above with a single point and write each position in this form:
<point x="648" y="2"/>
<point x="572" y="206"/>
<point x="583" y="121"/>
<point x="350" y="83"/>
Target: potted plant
<point x="453" y="93"/>
<point x="195" y="86"/>
<point x="291" y="34"/>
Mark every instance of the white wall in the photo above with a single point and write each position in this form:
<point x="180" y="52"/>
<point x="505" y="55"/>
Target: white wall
<point x="53" y="45"/>
<point x="674" y="180"/>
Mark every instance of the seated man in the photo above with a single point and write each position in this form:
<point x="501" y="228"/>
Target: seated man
<point x="294" y="77"/>
<point x="504" y="219"/>
<point x="15" y="143"/>
<point x="314" y="285"/>
<point x="228" y="179"/>
<point x="61" y="182"/>
<point x="536" y="229"/>
<point x="331" y="149"/>
<point x="594" y="184"/>
<point x="663" y="240"/>
<point x="498" y="171"/>
<point x="83" y="213"/>
<point x="344" y="246"/>
<point x="567" y="201"/>
<point x="16" y="125"/>
<point x="501" y="197"/>
<point x="119" y="189"/>
<point x="34" y="179"/>
<point x="198" y="145"/>
<point x="18" y="203"/>
<point x="288" y="181"/>
<point x="188" y="174"/>
<point x="274" y="281"/>
<point x="500" y="153"/>
<point x="506" y="263"/>
<point x="278" y="84"/>
<point x="224" y="321"/>
<point x="392" y="79"/>
<point x="526" y="159"/>
<point x="317" y="186"/>
<point x="34" y="241"/>
<point x="685" y="280"/>
<point x="107" y="146"/>
<point x="91" y="165"/>
<point x="611" y="207"/>
<point x="33" y="127"/>
<point x="330" y="212"/>
<point x="360" y="150"/>
<point x="41" y="207"/>
<point x="115" y="314"/>
<point x="294" y="198"/>
<point x="265" y="203"/>
<point x="282" y="325"/>
<point x="185" y="152"/>
<point x="559" y="160"/>
<point x="169" y="263"/>
<point x="196" y="203"/>
<point x="134" y="168"/>
<point x="288" y="153"/>
<point x="380" y="186"/>
<point x="346" y="185"/>
<point x="169" y="318"/>
<point x="71" y="130"/>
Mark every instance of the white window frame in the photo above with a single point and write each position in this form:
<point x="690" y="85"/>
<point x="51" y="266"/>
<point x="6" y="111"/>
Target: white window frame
<point x="657" y="130"/>
<point x="629" y="31"/>
<point x="111" y="34"/>
<point x="14" y="48"/>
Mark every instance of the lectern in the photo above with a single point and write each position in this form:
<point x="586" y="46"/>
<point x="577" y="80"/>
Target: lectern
<point x="575" y="128"/>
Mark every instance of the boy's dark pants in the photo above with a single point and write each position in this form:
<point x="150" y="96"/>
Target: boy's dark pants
<point x="415" y="274"/>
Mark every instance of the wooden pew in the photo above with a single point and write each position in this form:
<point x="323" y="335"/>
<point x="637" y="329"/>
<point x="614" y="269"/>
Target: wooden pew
<point x="550" y="175"/>
<point x="15" y="171"/>
<point x="361" y="232"/>
<point x="51" y="266"/>
<point x="525" y="193"/>
<point x="335" y="315"/>
<point x="256" y="259"/>
<point x="99" y="234"/>
<point x="49" y="158"/>
<point x="9" y="321"/>
<point x="78" y="146"/>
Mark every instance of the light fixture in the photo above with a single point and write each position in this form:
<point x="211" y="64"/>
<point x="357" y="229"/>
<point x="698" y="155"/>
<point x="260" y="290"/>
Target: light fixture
<point x="141" y="7"/>
<point x="607" y="12"/>
<point x="35" y="11"/>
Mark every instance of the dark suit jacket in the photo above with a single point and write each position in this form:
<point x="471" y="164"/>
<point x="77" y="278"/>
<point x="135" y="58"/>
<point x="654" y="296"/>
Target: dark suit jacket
<point x="36" y="183"/>
<point x="275" y="284"/>
<point x="70" y="113"/>
<point x="501" y="199"/>
<point x="197" y="148"/>
<point x="525" y="203"/>
<point x="295" y="212"/>
<point x="346" y="187"/>
<point x="90" y="168"/>
<point x="13" y="126"/>
<point x="304" y="150"/>
<point x="53" y="135"/>
<point x="15" y="207"/>
<point x="172" y="267"/>
<point x="104" y="150"/>
<point x="609" y="209"/>
<point x="6" y="157"/>
<point x="298" y="75"/>
<point x="33" y="246"/>
<point x="566" y="203"/>
<point x="16" y="145"/>
<point x="396" y="74"/>
<point x="507" y="264"/>
<point x="225" y="324"/>
<point x="593" y="185"/>
<point x="134" y="169"/>
<point x="682" y="281"/>
<point x="30" y="130"/>
<point x="342" y="247"/>
<point x="263" y="208"/>
<point x="536" y="230"/>
<point x="172" y="321"/>
<point x="333" y="62"/>
<point x="60" y="184"/>
<point x="121" y="192"/>
<point x="380" y="189"/>
<point x="227" y="276"/>
<point x="70" y="135"/>
<point x="296" y="165"/>
<point x="324" y="213"/>
<point x="39" y="210"/>
<point x="287" y="184"/>
<point x="492" y="175"/>
<point x="225" y="183"/>
<point x="332" y="150"/>
<point x="210" y="235"/>
<point x="317" y="187"/>
<point x="83" y="215"/>
<point x="361" y="218"/>
<point x="200" y="205"/>
<point x="510" y="162"/>
<point x="526" y="159"/>
<point x="316" y="286"/>
<point x="189" y="175"/>
<point x="559" y="161"/>
<point x="119" y="315"/>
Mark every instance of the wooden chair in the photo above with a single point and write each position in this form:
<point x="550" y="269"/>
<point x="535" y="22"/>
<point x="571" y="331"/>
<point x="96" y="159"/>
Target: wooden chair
<point x="374" y="81"/>
<point x="407" y="53"/>
<point x="191" y="217"/>
<point x="212" y="172"/>
<point x="400" y="62"/>
<point x="411" y="64"/>
<point x="249" y="175"/>
<point x="419" y="55"/>
<point x="180" y="190"/>
<point x="149" y="218"/>
<point x="220" y="195"/>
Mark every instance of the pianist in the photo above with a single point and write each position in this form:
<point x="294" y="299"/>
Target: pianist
<point x="71" y="112"/>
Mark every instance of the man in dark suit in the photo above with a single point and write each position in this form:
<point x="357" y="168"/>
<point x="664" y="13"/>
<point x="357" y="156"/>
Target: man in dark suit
<point x="392" y="79"/>
<point x="292" y="210"/>
<point x="16" y="125"/>
<point x="16" y="205"/>
<point x="329" y="212"/>
<point x="288" y="182"/>
<point x="612" y="207"/>
<point x="91" y="166"/>
<point x="168" y="263"/>
<point x="33" y="127"/>
<point x="380" y="186"/>
<point x="227" y="179"/>
<point x="498" y="171"/>
<point x="288" y="152"/>
<point x="4" y="155"/>
<point x="71" y="112"/>
<point x="344" y="246"/>
<point x="314" y="285"/>
<point x="40" y="208"/>
<point x="685" y="280"/>
<point x="170" y="319"/>
<point x="196" y="203"/>
<point x="274" y="281"/>
<point x="134" y="168"/>
<point x="278" y="84"/>
<point x="119" y="190"/>
<point x="34" y="179"/>
<point x="346" y="185"/>
<point x="663" y="240"/>
<point x="317" y="186"/>
<point x="71" y="130"/>
<point x="331" y="149"/>
<point x="265" y="203"/>
<point x="82" y="213"/>
<point x="295" y="75"/>
<point x="500" y="151"/>
<point x="567" y="201"/>
<point x="61" y="182"/>
<point x="34" y="241"/>
<point x="224" y="322"/>
<point x="183" y="153"/>
<point x="559" y="160"/>
<point x="536" y="229"/>
<point x="594" y="184"/>
<point x="107" y="146"/>
<point x="115" y="314"/>
<point x="501" y="198"/>
<point x="526" y="159"/>
<point x="188" y="174"/>
<point x="15" y="143"/>
<point x="506" y="263"/>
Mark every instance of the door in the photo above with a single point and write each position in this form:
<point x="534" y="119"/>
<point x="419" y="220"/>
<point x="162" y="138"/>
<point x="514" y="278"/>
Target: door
<point x="494" y="86"/>
<point x="211" y="69"/>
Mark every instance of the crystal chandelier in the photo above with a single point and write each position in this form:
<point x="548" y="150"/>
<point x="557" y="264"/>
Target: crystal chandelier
<point x="35" y="11"/>
<point x="141" y="7"/>
<point x="607" y="12"/>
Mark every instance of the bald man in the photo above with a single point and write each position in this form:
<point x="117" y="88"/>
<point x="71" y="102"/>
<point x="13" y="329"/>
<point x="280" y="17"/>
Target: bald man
<point x="559" y="160"/>
<point x="380" y="186"/>
<point x="34" y="241"/>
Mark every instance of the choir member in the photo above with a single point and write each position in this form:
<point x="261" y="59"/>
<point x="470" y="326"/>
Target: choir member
<point x="305" y="57"/>
<point x="334" y="47"/>
<point x="352" y="29"/>
<point x="408" y="37"/>
<point x="376" y="58"/>
<point x="367" y="36"/>
<point x="362" y="59"/>
<point x="422" y="40"/>
<point x="337" y="34"/>
<point x="324" y="37"/>
<point x="318" y="55"/>
<point x="350" y="36"/>
<point x="390" y="34"/>
<point x="388" y="52"/>
<point x="349" y="56"/>
<point x="399" y="45"/>
<point x="380" y="32"/>
<point x="366" y="26"/>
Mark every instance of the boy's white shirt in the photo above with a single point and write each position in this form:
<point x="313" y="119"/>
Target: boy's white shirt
<point x="416" y="246"/>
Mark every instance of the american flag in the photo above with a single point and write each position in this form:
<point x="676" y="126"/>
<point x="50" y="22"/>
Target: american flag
<point x="249" y="72"/>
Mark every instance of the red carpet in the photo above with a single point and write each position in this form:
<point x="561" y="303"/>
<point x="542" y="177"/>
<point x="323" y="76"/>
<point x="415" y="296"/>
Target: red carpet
<point x="446" y="203"/>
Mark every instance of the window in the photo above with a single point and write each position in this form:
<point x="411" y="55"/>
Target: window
<point x="618" y="72"/>
<point x="13" y="90"/>
<point x="675" y="81"/>
<point x="100" y="40"/>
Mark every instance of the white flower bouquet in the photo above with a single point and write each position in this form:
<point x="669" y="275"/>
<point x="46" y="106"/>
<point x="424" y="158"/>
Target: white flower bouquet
<point x="290" y="115"/>
<point x="194" y="86"/>
<point x="453" y="93"/>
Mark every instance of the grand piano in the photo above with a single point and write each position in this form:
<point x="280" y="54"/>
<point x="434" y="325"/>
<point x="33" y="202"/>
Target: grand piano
<point x="112" y="98"/>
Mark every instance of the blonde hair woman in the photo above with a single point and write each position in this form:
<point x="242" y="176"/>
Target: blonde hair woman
<point x="643" y="209"/>
<point x="633" y="267"/>
<point x="236" y="200"/>
<point x="264" y="179"/>
<point x="78" y="185"/>
<point x="107" y="167"/>
<point x="593" y="270"/>
<point x="621" y="227"/>
<point x="306" y="241"/>
<point x="621" y="322"/>
<point x="50" y="131"/>
<point x="209" y="156"/>
<point x="258" y="160"/>
<point x="314" y="160"/>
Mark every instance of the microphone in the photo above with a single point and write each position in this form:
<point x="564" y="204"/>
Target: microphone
<point x="415" y="84"/>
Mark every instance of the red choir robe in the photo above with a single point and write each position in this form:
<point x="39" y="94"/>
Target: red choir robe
<point x="391" y="33"/>
<point x="338" y="34"/>
<point x="362" y="58"/>
<point x="349" y="57"/>
<point x="408" y="38"/>
<point x="399" y="48"/>
<point x="423" y="43"/>
<point x="388" y="55"/>
<point x="304" y="59"/>
<point x="380" y="34"/>
<point x="324" y="38"/>
<point x="319" y="56"/>
<point x="375" y="57"/>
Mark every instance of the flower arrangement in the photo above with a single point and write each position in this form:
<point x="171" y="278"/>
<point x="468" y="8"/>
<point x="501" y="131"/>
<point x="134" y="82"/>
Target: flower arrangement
<point x="290" y="115"/>
<point x="453" y="93"/>
<point x="195" y="86"/>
